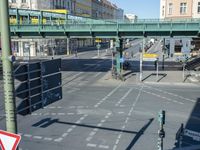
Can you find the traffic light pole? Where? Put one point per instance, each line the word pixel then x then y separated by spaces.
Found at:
pixel 9 97
pixel 161 132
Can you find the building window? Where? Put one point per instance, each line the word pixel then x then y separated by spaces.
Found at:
pixel 23 1
pixel 183 8
pixel 198 9
pixel 13 1
pixel 163 11
pixel 170 9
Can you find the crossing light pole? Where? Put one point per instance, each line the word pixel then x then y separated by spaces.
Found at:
pixel 161 132
pixel 7 59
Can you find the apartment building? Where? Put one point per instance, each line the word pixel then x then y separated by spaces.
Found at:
pixel 32 47
pixel 99 9
pixel 83 8
pixel 176 9
pixel 104 9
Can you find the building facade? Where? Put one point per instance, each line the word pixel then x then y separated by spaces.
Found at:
pixel 196 9
pixel 179 9
pixel 131 17
pixel 83 8
pixel 176 9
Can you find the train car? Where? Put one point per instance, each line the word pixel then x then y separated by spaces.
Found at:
pixel 32 16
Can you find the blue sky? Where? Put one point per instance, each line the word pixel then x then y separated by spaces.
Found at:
pixel 142 8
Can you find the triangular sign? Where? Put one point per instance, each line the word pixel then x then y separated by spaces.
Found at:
pixel 9 141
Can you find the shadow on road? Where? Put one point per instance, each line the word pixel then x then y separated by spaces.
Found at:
pixel 139 134
pixel 86 65
pixel 44 123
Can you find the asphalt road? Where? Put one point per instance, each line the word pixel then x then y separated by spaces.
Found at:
pixel 99 113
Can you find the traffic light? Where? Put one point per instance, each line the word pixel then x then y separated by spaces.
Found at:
pixel 162 117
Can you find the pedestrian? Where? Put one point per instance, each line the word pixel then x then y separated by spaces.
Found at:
pixel 76 53
pixel 132 54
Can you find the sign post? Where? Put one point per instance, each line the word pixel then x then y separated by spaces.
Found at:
pixel 98 47
pixel 161 132
pixel 9 96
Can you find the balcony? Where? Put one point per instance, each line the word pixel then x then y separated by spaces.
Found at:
pixel 13 5
pixel 24 5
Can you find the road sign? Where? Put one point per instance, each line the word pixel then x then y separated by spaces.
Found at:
pixel 98 40
pixel 9 141
pixel 150 57
pixel 193 134
pixel 39 85
pixel 122 60
pixel 98 46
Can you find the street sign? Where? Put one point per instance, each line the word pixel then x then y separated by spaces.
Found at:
pixel 9 141
pixel 98 40
pixel 150 57
pixel 193 134
pixel 122 60
pixel 98 46
pixel 39 85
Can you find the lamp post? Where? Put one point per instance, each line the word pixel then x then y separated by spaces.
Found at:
pixel 7 60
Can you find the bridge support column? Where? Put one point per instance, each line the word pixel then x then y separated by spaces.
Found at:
pixel 186 45
pixel 172 47
pixel 20 48
pixel 118 57
pixel 111 44
pixel 68 42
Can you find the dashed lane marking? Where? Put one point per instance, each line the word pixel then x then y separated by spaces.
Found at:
pixel 91 145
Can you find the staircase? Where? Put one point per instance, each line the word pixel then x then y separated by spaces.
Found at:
pixel 194 64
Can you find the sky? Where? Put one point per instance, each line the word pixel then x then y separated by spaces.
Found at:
pixel 141 8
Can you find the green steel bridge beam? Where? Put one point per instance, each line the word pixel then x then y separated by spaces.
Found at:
pixel 107 30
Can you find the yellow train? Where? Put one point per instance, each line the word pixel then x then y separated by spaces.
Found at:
pixel 24 19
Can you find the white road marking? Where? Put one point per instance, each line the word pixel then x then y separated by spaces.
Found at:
pixel 65 134
pixel 114 147
pixel 58 140
pixel 99 124
pixel 154 94
pixel 125 95
pixel 89 138
pixel 127 119
pixel 107 96
pixel 172 94
pixel 48 139
pixel 27 135
pixel 104 146
pixel 121 112
pixel 102 121
pixel 97 74
pixel 91 145
pixel 92 133
pixel 37 137
pixel 69 130
pixel 70 113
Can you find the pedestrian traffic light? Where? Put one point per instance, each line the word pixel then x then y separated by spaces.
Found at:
pixel 117 43
pixel 162 117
